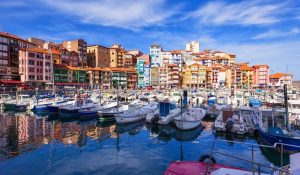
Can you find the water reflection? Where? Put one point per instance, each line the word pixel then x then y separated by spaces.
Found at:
pixel 137 148
pixel 23 132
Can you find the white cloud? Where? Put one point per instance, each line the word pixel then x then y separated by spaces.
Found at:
pixel 243 13
pixel 277 54
pixel 277 34
pixel 129 14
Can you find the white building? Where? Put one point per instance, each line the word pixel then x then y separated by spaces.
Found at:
pixel 193 47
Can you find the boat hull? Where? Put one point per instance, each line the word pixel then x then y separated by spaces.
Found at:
pixel 271 139
pixel 129 119
pixel 187 125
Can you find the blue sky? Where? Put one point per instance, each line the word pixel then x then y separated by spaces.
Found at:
pixel 258 31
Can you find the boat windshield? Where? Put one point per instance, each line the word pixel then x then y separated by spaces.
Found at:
pixel 4 96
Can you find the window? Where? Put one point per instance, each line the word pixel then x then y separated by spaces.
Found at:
pixel 31 55
pixel 31 69
pixel 31 62
pixel 31 77
pixel 4 62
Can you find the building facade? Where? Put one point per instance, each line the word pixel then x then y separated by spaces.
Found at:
pixel 193 47
pixel 9 55
pixel 35 66
pixel 261 75
pixel 280 79
pixel 79 46
pixel 98 56
pixel 156 55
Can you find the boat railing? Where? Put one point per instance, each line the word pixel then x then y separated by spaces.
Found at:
pixel 282 171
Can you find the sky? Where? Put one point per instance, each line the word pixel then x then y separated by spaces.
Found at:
pixel 257 31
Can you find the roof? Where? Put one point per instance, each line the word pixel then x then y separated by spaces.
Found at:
pixel 260 65
pixel 37 50
pixel 60 66
pixel 74 68
pixel 11 82
pixel 195 64
pixel 279 75
pixel 13 36
pixel 172 65
pixel 176 51
pixel 246 68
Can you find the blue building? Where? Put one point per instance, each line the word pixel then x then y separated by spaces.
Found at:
pixel 143 70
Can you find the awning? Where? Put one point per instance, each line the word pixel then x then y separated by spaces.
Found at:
pixel 71 84
pixel 11 82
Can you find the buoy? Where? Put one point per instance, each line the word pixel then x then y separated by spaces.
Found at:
pixel 206 156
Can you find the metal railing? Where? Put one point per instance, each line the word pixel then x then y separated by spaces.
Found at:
pixel 282 170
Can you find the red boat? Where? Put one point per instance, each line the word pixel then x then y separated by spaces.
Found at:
pixel 200 168
pixel 210 167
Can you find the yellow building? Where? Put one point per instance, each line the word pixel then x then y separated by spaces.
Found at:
pixel 247 76
pixel 194 76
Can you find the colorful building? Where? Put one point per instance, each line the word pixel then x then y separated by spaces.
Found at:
pixel 174 76
pixel 69 76
pixel 194 76
pixel 9 55
pixel 35 66
pixel 156 55
pixel 247 76
pixel 154 76
pixel 143 70
pixel 79 46
pixel 261 75
pixel 163 77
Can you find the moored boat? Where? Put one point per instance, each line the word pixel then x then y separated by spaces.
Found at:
pixel 190 118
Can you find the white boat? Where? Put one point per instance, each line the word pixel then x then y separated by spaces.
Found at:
pixel 76 106
pixel 108 105
pixel 4 98
pixel 112 112
pixel 55 106
pixel 165 114
pixel 20 103
pixel 135 113
pixel 190 119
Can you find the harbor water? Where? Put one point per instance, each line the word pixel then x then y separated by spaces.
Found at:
pixel 31 144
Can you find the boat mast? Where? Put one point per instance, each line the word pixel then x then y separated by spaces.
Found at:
pixel 286 106
pixel 286 101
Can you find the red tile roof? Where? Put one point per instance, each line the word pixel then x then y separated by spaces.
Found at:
pixel 279 75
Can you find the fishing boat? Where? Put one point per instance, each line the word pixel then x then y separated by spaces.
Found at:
pixel 271 130
pixel 190 118
pixel 165 114
pixel 278 130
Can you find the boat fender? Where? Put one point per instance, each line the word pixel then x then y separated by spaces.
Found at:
pixel 206 156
